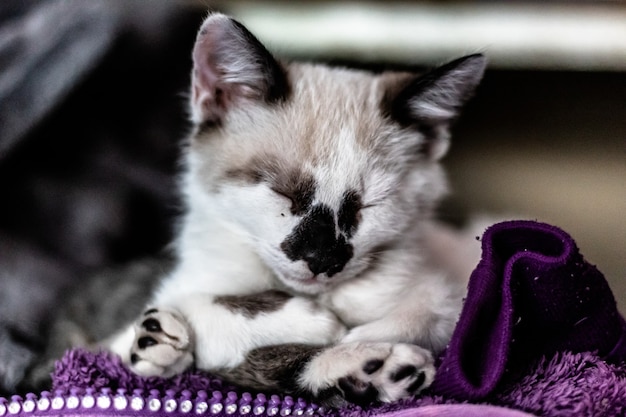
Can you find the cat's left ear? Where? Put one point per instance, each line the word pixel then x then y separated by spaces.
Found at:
pixel 231 68
pixel 431 102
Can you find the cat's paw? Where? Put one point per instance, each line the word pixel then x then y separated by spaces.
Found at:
pixel 369 372
pixel 163 344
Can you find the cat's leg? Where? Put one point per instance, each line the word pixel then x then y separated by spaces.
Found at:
pixel 359 373
pixel 410 322
pixel 219 331
pixel 424 313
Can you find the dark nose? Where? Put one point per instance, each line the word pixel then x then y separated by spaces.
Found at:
pixel 314 241
pixel 329 259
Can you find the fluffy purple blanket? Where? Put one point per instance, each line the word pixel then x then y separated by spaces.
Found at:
pixel 539 334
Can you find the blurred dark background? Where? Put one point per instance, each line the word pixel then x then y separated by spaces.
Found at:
pixel 93 109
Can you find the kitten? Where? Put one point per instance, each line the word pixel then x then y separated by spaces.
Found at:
pixel 310 194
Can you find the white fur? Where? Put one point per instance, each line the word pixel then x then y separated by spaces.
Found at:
pixel 347 359
pixel 331 129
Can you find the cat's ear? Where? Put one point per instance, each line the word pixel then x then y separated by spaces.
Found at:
pixel 231 68
pixel 431 102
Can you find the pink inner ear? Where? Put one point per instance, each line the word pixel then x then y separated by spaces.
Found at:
pixel 222 70
pixel 207 96
pixel 230 67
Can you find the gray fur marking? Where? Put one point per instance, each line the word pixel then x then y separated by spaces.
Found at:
pixel 273 368
pixel 253 304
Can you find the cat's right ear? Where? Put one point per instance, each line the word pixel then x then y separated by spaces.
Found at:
pixel 432 101
pixel 231 68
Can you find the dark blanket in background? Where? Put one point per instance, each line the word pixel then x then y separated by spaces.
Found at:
pixel 91 110
pixel 534 310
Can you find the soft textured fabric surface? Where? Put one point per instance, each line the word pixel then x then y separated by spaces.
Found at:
pixel 567 384
pixel 531 295
pixel 456 410
pixel 539 335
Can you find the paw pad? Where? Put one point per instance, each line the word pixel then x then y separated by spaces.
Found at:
pixel 366 372
pixel 163 344
pixel 404 372
pixel 152 325
pixel 373 365
pixel 357 391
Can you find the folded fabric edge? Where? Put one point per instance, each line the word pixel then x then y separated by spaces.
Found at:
pixel 465 377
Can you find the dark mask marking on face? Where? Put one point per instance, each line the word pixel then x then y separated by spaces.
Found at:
pixel 254 170
pixel 349 214
pixel 314 241
pixel 298 186
pixel 254 304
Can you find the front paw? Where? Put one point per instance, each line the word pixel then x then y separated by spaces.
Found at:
pixel 163 344
pixel 363 373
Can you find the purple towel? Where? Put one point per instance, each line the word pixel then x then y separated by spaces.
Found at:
pixel 98 384
pixel 533 336
pixel 531 295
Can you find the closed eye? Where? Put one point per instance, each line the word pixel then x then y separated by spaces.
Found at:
pixel 349 214
pixel 299 203
pixel 283 195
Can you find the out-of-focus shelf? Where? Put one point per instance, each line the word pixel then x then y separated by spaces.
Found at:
pixel 561 36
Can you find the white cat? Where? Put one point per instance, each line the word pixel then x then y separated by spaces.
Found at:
pixel 303 254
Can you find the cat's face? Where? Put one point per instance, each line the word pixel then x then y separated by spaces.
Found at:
pixel 321 169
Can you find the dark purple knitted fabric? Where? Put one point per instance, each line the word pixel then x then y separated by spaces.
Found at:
pixel 531 295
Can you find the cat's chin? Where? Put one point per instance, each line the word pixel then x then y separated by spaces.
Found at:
pixel 307 286
pixel 311 284
pixel 302 280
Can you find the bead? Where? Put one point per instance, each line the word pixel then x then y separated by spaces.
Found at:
pixel 186 406
pixel 231 408
pixel 73 402
pixel 88 401
pixel 43 404
pixel 57 403
pixel 201 407
pixel 137 403
pixel 103 402
pixel 120 402
pixel 216 408
pixel 154 404
pixel 29 406
pixel 14 407
pixel 245 409
pixel 170 405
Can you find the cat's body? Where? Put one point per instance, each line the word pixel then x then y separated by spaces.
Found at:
pixel 303 255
